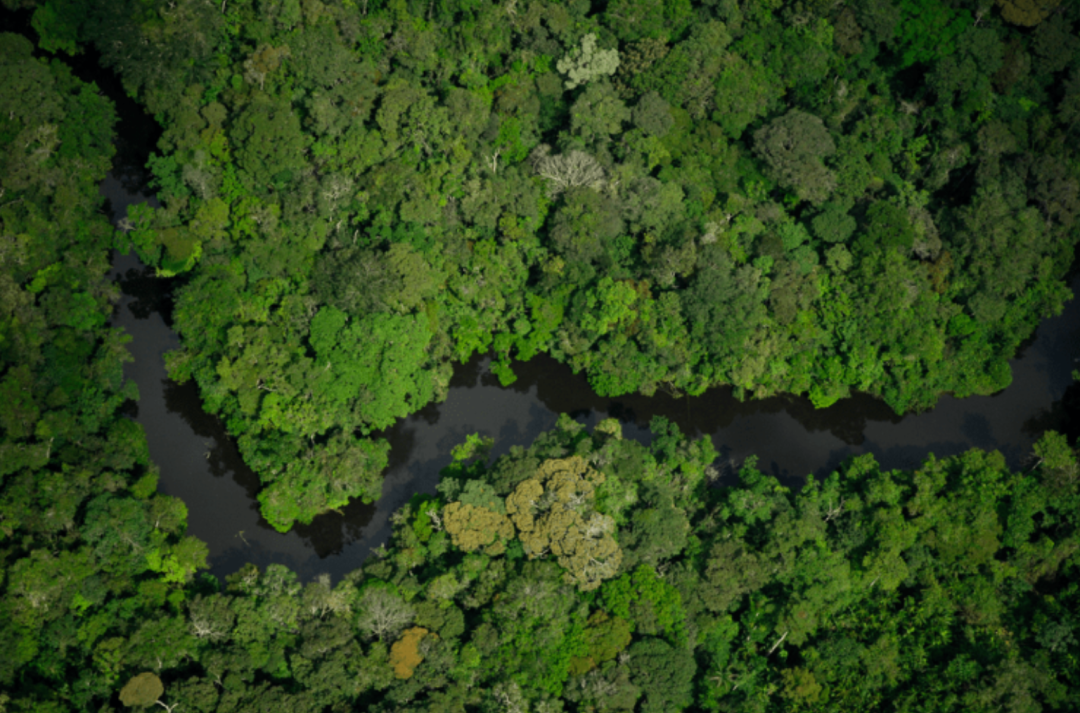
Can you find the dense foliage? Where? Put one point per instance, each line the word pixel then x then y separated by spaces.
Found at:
pixel 785 196
pixel 803 197
pixel 89 552
pixel 593 573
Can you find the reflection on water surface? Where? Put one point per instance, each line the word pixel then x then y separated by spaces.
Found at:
pixel 200 464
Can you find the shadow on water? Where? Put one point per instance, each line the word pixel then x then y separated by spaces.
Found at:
pixel 713 411
pixel 200 463
pixel 149 294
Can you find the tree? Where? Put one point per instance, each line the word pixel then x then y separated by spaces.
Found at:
pixel 833 224
pixel 270 144
pixel 471 527
pixel 585 226
pixel 605 637
pixel 635 19
pixel 725 304
pixel 1026 13
pixel 657 534
pixel 264 60
pixel 382 613
pixel 652 115
pixel 1057 462
pixel 373 366
pixel 888 228
pixel 211 618
pixel 570 170
pixel 586 63
pixel 354 281
pixel 405 654
pixel 664 673
pixel 312 479
pixel 141 691
pixel 553 512
pixel 929 30
pixel 792 147
pixel 745 90
pixel 598 113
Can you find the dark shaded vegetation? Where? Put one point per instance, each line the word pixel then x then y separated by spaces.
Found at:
pixel 785 197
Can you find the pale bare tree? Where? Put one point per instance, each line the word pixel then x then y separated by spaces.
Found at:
pixel 383 613
pixel 320 598
pixel 510 697
pixel 197 175
pixel 569 170
pixel 597 687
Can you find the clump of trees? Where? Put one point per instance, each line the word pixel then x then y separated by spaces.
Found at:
pixel 586 63
pixel 95 566
pixel 793 197
pixel 348 189
pixel 781 196
pixel 952 585
pixel 473 526
pixel 554 512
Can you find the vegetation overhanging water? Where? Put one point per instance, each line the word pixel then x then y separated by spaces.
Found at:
pixel 901 230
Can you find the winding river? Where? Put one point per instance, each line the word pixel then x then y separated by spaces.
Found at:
pixel 199 463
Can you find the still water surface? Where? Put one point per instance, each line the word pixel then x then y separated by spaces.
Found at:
pixel 199 463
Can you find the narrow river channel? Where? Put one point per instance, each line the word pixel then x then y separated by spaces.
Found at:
pixel 199 463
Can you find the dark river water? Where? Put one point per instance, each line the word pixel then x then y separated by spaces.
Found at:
pixel 199 463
